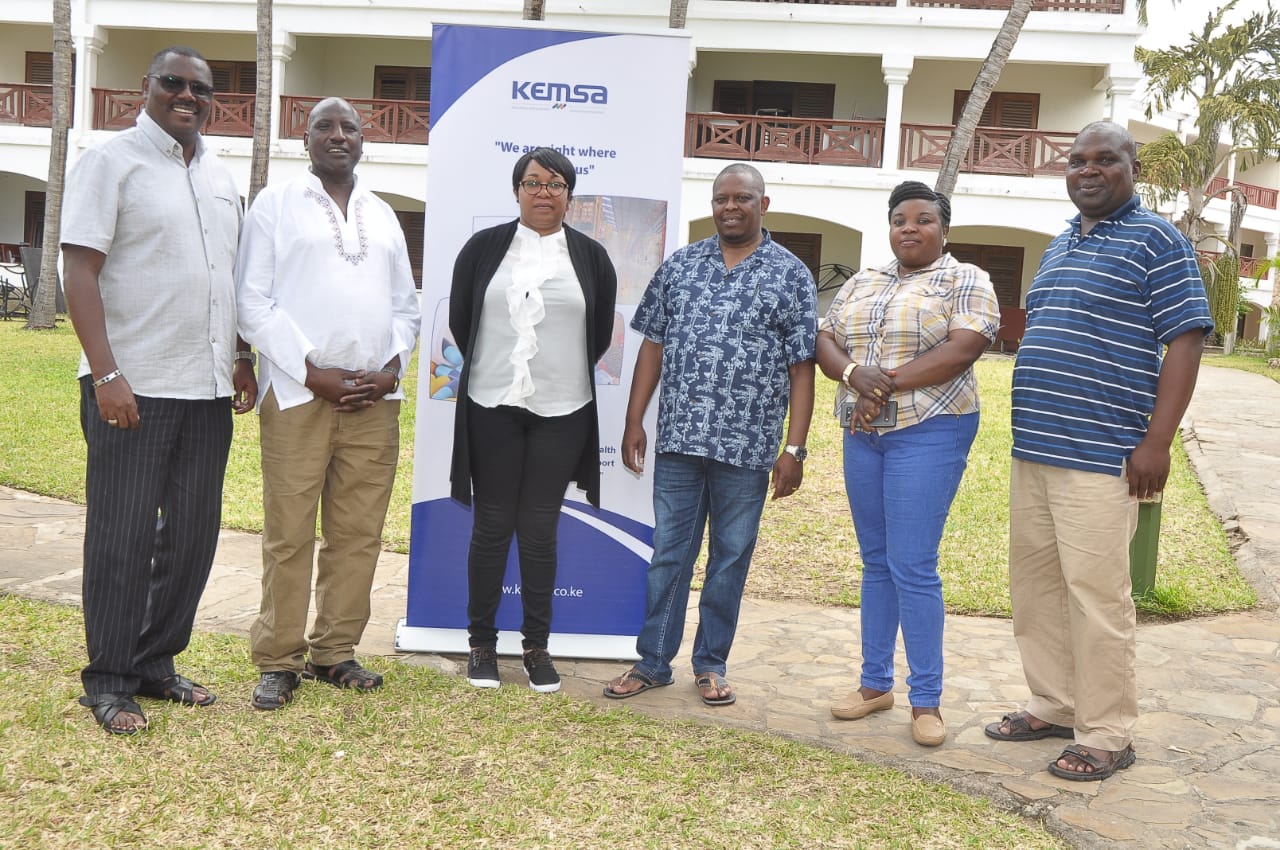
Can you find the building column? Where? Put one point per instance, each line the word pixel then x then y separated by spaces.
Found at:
pixel 282 49
pixel 89 45
pixel 1273 240
pixel 897 70
pixel 1120 84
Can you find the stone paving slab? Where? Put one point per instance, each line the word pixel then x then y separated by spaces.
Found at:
pixel 1208 740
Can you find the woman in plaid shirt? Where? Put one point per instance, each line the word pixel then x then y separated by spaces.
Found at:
pixel 901 341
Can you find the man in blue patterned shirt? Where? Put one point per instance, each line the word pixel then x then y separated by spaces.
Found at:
pixel 1095 409
pixel 729 326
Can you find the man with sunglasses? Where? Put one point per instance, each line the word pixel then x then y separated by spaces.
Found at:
pixel 149 230
pixel 326 294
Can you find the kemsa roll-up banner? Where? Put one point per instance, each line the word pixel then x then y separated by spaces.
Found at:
pixel 614 105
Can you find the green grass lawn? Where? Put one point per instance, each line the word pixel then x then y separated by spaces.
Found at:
pixel 807 549
pixel 427 763
pixel 1245 361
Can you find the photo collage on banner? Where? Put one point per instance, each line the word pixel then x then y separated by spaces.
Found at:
pixel 496 93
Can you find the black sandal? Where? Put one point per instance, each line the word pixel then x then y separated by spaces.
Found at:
pixel 275 690
pixel 1098 768
pixel 344 674
pixel 105 707
pixel 177 689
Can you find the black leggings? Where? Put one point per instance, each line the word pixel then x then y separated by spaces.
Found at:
pixel 521 464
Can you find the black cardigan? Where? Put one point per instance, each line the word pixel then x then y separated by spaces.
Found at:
pixel 475 266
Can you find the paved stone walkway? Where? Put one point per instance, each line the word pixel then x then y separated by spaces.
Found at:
pixel 1208 742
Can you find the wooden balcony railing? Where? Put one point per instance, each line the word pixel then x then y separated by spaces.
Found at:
pixel 1248 265
pixel 232 114
pixel 816 141
pixel 398 121
pixel 1258 196
pixel 1111 7
pixel 1023 153
pixel 27 104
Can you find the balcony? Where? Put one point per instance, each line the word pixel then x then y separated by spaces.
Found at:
pixel 1257 196
pixel 1249 266
pixel 1109 7
pixel 26 104
pixel 397 121
pixel 995 150
pixel 232 114
pixel 813 141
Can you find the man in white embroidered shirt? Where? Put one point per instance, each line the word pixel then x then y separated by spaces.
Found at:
pixel 149 231
pixel 326 295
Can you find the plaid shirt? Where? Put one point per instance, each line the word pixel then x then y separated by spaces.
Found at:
pixel 887 321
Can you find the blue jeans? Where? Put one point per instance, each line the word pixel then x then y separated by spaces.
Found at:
pixel 900 486
pixel 687 492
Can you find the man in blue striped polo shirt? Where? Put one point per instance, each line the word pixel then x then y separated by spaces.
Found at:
pixel 1095 409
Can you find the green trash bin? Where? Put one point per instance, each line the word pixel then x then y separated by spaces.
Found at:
pixel 1144 547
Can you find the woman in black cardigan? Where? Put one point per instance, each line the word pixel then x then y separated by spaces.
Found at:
pixel 531 310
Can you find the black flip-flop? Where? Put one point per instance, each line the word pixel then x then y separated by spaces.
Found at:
pixel 715 680
pixel 646 683
pixel 177 689
pixel 105 707
pixel 1099 769
pixel 1020 729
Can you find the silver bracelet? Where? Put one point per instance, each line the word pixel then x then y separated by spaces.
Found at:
pixel 395 375
pixel 106 379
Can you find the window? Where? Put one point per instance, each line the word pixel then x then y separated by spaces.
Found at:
pixel 1015 110
pixel 230 77
pixel 806 246
pixel 412 223
pixel 399 82
pixel 1002 262
pixel 40 68
pixel 773 97
pixel 33 219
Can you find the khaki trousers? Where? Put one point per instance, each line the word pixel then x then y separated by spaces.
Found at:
pixel 344 465
pixel 1073 615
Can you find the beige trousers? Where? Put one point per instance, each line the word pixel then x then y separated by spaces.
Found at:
pixel 1073 615
pixel 342 464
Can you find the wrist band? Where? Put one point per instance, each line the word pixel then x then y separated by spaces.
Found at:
pixel 848 371
pixel 106 379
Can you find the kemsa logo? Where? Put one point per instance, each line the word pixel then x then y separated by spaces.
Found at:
pixel 559 92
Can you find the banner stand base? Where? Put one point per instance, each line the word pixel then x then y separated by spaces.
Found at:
pixel 454 641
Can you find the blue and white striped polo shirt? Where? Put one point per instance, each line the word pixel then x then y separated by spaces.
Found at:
pixel 1099 312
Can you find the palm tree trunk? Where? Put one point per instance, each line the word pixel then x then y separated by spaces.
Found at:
pixel 262 104
pixel 534 10
pixel 42 314
pixel 679 11
pixel 983 85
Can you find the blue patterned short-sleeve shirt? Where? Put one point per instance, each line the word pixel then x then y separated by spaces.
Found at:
pixel 728 339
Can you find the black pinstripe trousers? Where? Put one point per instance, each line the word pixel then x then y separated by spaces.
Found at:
pixel 154 501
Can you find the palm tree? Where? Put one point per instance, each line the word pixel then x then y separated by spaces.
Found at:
pixel 679 11
pixel 983 85
pixel 534 10
pixel 262 104
pixel 42 310
pixel 1229 72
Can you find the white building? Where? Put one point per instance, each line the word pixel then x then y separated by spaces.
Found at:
pixel 835 101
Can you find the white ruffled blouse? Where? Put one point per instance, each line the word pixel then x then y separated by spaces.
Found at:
pixel 531 346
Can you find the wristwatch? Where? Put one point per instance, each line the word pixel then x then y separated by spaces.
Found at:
pixel 797 452
pixel 247 355
pixel 395 378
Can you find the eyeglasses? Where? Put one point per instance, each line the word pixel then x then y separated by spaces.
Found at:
pixel 555 188
pixel 174 84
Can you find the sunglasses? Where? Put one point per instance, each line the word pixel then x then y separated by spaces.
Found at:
pixel 174 85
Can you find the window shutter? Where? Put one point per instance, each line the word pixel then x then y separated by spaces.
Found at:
pixel 1002 262
pixel 413 224
pixel 732 96
pixel 393 82
pixel 1013 110
pixel 814 100
pixel 806 246
pixel 40 68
